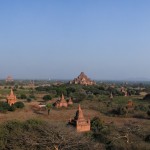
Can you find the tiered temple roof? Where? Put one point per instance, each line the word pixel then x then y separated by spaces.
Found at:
pixel 83 80
pixel 9 79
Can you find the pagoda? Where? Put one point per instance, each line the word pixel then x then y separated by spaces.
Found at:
pixel 80 122
pixel 11 99
pixel 61 103
pixel 82 79
pixel 70 102
pixel 130 104
pixel 9 79
pixel 111 96
pixel 124 91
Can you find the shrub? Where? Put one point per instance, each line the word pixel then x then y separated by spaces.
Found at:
pixel 121 110
pixel 12 108
pixel 147 97
pixel 100 130
pixel 29 99
pixel 4 106
pixel 19 104
pixel 147 138
pixel 148 112
pixel 32 96
pixel 141 107
pixel 139 115
pixel 96 124
pixel 47 97
pixel 23 96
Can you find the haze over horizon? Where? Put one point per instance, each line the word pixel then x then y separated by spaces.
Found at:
pixel 108 40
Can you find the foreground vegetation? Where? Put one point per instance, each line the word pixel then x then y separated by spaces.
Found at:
pixel 36 134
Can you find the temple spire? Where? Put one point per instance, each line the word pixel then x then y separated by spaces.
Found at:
pixel 62 96
pixel 79 114
pixel 11 92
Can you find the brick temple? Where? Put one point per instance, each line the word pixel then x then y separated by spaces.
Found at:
pixel 9 79
pixel 70 102
pixel 11 99
pixel 124 91
pixel 82 79
pixel 61 102
pixel 80 122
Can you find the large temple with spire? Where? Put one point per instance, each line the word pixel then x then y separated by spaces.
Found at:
pixel 82 79
pixel 9 79
pixel 11 98
pixel 80 122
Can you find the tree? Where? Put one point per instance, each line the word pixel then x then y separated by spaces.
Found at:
pixel 48 106
pixel 100 130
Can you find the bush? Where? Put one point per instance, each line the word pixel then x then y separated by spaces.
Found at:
pixel 19 104
pixel 100 130
pixel 47 97
pixel 147 138
pixel 12 108
pixel 147 97
pixel 32 96
pixel 121 110
pixel 96 124
pixel 139 115
pixel 148 112
pixel 29 99
pixel 141 107
pixel 4 106
pixel 23 96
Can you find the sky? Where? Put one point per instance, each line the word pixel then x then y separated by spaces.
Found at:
pixel 57 39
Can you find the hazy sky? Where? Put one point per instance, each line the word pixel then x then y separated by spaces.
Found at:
pixel 107 39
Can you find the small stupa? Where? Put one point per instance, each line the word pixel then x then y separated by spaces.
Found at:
pixel 111 96
pixel 130 104
pixel 70 102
